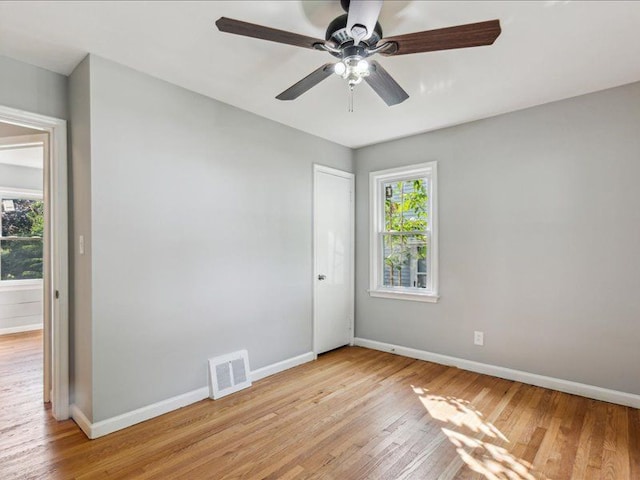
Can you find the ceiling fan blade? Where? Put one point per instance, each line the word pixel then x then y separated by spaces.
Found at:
pixel 460 36
pixel 246 29
pixel 311 80
pixel 384 85
pixel 364 13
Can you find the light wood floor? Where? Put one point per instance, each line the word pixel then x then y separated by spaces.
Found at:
pixel 353 414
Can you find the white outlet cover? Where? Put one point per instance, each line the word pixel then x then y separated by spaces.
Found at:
pixel 478 338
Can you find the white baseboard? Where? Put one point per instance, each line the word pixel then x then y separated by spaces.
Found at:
pixel 575 388
pixel 281 366
pixel 113 424
pixel 21 328
pixel 81 420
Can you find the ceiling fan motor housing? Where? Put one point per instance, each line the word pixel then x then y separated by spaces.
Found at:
pixel 338 34
pixel 351 51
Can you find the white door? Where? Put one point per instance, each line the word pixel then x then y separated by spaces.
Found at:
pixel 333 258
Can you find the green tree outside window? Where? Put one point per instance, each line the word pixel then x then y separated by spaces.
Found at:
pixel 21 244
pixel 405 242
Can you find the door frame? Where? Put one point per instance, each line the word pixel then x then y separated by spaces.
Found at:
pixel 317 168
pixel 56 255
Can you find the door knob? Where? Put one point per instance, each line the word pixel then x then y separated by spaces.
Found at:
pixel 322 277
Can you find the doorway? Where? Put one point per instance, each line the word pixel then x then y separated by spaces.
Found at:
pixel 333 252
pixel 49 231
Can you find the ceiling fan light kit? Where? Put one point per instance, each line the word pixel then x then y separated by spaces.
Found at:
pixel 356 36
pixel 352 69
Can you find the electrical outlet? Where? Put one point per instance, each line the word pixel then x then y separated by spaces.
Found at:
pixel 478 338
pixel 81 244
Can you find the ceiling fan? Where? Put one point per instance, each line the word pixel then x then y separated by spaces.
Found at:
pixel 357 35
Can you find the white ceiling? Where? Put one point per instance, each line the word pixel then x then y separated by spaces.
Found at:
pixel 548 50
pixel 10 130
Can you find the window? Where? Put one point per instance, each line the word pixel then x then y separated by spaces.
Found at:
pixel 404 242
pixel 22 227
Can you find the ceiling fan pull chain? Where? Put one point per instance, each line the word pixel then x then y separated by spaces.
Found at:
pixel 350 109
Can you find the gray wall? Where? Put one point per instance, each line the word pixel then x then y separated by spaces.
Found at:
pixel 36 90
pixel 80 307
pixel 15 176
pixel 33 89
pixel 21 307
pixel 201 236
pixel 539 234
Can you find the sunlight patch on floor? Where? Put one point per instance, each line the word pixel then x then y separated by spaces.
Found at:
pixel 460 413
pixel 488 459
pixel 478 443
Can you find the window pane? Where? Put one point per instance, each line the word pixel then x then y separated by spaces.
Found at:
pixel 406 205
pixel 404 260
pixel 20 259
pixel 22 218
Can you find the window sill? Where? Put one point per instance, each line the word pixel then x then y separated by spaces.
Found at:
pixel 398 295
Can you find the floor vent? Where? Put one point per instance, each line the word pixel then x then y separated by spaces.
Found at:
pixel 229 373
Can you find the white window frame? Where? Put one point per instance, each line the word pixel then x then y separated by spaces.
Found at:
pixel 376 202
pixel 20 194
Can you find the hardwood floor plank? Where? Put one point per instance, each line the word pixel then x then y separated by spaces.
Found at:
pixel 353 414
pixel 566 444
pixel 597 439
pixel 634 442
pixel 581 461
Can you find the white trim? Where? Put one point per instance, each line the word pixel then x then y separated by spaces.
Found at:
pixel 332 171
pixel 567 386
pixel 317 168
pixel 56 311
pixel 414 296
pixel 278 367
pixel 20 329
pixel 376 220
pixel 81 420
pixel 110 425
